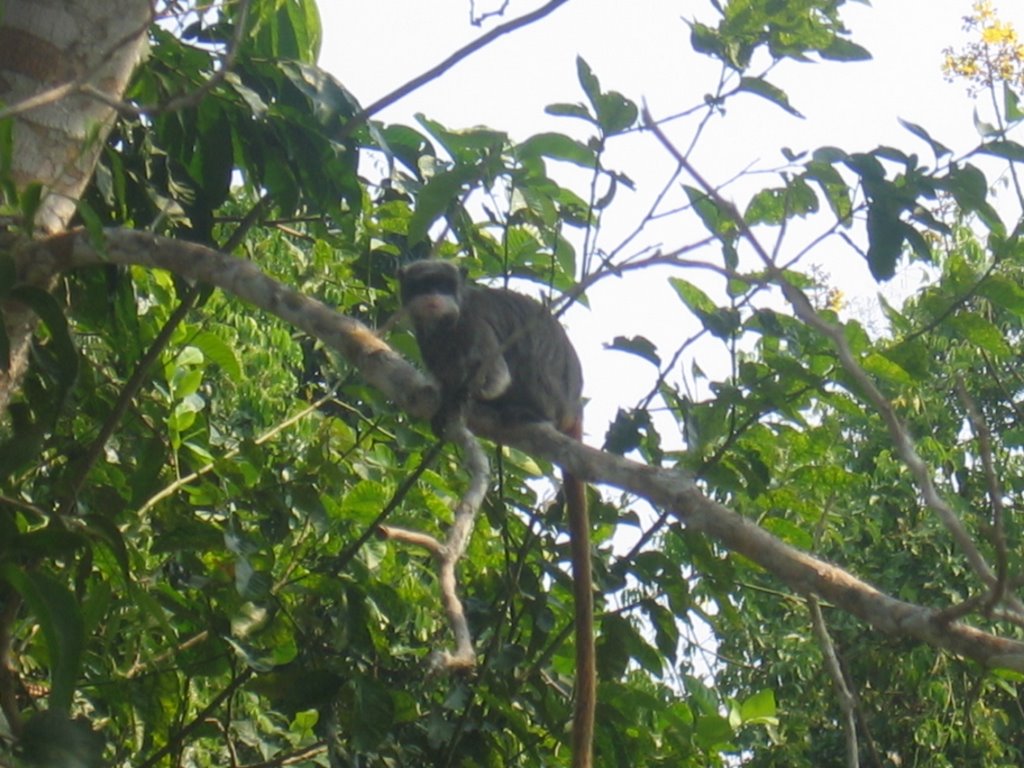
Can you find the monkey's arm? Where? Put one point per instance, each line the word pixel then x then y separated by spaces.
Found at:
pixel 479 374
pixel 492 378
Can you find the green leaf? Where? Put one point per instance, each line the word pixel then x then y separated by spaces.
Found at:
pixel 761 87
pixel 774 206
pixel 885 241
pixel 717 221
pixel 51 738
pixel 884 368
pixel 570 110
pixel 1009 150
pixel 705 39
pixel 218 351
pixel 917 242
pixel 984 129
pixel 259 659
pixel 374 713
pixel 466 147
pixel 8 274
pixel 588 81
pixel 104 529
pixel 760 708
pixel 713 732
pixel 559 147
pixel 640 346
pixel 6 154
pixel 305 21
pixel 49 311
pixel 5 344
pixel 289 30
pixel 789 532
pixel 628 431
pixel 364 501
pixel 693 297
pixel 836 190
pixel 29 200
pixel 844 50
pixel 666 629
pixel 1004 293
pixel 981 333
pixel 435 198
pixel 614 112
pixel 59 617
pixel 940 149
pixel 93 225
pixel 1011 104
pixel 723 322
pixel 969 188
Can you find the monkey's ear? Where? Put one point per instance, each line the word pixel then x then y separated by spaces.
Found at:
pixel 464 271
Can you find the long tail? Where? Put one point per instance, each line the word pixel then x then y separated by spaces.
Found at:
pixel 586 669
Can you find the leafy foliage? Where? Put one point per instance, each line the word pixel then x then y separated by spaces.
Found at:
pixel 187 487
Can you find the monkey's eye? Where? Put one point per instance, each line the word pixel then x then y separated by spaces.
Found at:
pixel 434 284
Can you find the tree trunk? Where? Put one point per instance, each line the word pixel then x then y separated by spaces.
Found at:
pixel 57 59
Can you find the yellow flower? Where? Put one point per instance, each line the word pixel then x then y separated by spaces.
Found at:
pixel 983 10
pixel 999 33
pixel 834 299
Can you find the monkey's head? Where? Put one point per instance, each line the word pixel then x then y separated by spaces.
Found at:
pixel 431 293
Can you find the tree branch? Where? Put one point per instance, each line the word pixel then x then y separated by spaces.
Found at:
pixel 836 335
pixel 448 553
pixel 439 69
pixel 399 380
pixel 379 364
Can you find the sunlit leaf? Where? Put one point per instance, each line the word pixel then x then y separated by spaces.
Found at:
pixel 761 87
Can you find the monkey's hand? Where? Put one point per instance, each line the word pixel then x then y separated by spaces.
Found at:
pixel 451 411
pixel 438 422
pixel 492 379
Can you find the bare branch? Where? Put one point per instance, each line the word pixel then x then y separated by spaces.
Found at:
pixel 436 71
pixel 448 554
pixel 378 363
pixel 995 490
pixel 800 571
pixel 666 488
pixel 835 334
pixel 847 700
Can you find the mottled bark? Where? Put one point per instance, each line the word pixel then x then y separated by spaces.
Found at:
pixel 61 63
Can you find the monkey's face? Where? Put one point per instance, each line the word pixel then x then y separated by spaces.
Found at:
pixel 430 311
pixel 431 294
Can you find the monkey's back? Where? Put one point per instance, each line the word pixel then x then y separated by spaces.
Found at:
pixel 547 379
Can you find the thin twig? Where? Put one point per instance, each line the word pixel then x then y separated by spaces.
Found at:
pixel 181 482
pixel 995 491
pixel 436 71
pixel 177 739
pixel 847 700
pixel 803 309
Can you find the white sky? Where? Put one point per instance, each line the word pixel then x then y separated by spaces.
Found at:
pixel 641 48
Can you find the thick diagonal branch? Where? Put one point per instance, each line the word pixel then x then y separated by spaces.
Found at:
pixel 666 488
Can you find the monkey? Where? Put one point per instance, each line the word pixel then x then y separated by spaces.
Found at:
pixel 502 355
